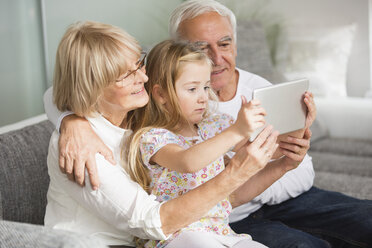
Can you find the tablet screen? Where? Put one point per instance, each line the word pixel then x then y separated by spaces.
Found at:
pixel 284 105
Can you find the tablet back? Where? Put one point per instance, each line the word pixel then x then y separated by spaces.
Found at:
pixel 284 105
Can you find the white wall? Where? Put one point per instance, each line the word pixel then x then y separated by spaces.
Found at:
pixel 22 72
pixel 22 80
pixel 146 20
pixel 22 68
pixel 319 13
pixel 333 13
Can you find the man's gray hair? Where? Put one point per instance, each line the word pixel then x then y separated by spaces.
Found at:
pixel 193 8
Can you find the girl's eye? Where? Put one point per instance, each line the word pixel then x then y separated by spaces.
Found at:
pixel 192 89
pixel 206 88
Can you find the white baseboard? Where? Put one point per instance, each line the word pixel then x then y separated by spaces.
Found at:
pixel 23 123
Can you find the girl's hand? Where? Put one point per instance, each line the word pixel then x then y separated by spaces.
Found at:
pixel 311 109
pixel 250 117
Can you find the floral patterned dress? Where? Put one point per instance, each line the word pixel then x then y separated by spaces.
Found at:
pixel 167 184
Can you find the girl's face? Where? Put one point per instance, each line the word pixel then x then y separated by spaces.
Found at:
pixel 192 88
pixel 128 92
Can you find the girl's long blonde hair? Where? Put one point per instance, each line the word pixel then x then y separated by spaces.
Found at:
pixel 164 66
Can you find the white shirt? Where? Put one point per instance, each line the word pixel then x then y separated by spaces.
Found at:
pixel 293 183
pixel 115 212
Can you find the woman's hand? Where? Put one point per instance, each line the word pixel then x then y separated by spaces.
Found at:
pixel 254 156
pixel 197 202
pixel 250 117
pixel 78 144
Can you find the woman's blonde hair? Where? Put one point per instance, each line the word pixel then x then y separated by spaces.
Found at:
pixel 90 56
pixel 164 66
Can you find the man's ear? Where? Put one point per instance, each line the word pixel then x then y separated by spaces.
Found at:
pixel 159 94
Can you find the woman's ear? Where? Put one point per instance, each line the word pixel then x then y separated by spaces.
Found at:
pixel 158 94
pixel 119 84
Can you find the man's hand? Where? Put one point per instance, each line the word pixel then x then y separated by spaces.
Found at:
pixel 311 109
pixel 78 144
pixel 310 117
pixel 295 149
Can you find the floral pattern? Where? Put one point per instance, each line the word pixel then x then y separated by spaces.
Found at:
pixel 167 184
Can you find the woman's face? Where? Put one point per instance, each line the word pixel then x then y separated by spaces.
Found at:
pixel 128 92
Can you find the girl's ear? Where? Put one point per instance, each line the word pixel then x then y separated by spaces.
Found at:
pixel 159 94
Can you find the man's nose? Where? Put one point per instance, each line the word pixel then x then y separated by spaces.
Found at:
pixel 215 55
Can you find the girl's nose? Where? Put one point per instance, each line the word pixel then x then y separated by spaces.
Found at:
pixel 203 97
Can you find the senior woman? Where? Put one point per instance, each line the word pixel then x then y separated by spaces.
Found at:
pixel 98 76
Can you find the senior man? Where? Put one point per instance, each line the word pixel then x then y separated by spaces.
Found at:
pixel 290 213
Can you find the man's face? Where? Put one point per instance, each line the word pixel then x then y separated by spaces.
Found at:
pixel 213 33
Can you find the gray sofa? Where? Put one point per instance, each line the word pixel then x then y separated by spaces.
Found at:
pixel 342 163
pixel 24 182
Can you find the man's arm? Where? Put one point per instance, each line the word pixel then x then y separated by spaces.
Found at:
pixel 78 143
pixel 294 149
pixel 54 115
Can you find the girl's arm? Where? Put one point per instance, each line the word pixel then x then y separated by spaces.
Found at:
pixel 195 158
pixel 175 157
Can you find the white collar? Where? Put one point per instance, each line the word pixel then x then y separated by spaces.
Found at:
pixel 110 134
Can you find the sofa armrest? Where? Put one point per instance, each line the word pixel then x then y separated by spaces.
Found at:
pixel 15 234
pixel 346 117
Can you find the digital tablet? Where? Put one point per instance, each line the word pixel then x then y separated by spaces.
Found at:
pixel 284 105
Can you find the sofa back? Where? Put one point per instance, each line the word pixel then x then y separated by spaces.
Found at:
pixel 24 176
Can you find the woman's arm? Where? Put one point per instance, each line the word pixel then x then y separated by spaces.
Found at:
pixel 119 201
pixel 198 156
pixel 194 204
pixel 295 154
pixel 127 207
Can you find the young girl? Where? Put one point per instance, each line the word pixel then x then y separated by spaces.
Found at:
pixel 178 144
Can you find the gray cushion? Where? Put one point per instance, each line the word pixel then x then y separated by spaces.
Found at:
pixel 24 176
pixel 319 130
pixel 1 208
pixel 13 234
pixel 352 185
pixel 253 52
pixel 342 163
pixel 345 146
